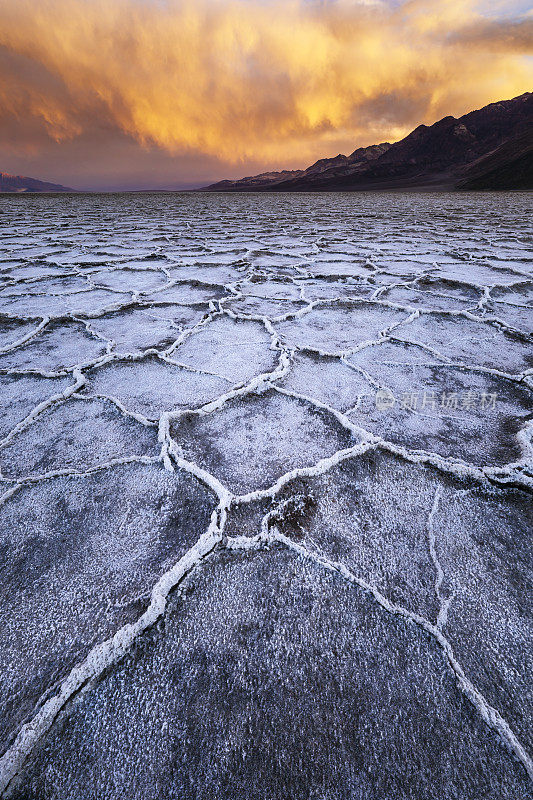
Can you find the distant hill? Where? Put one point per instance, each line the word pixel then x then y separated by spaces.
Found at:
pixel 19 183
pixel 491 148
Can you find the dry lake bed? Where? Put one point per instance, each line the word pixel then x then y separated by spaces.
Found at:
pixel 266 475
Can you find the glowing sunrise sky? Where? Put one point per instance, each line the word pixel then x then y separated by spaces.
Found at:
pixel 171 93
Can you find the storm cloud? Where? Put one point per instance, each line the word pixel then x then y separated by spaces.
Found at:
pixel 183 90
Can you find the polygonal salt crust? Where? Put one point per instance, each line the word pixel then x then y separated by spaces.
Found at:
pixel 277 271
pixel 12 331
pixel 335 244
pixel 27 250
pixel 76 434
pixel 520 293
pixel 339 327
pixel 60 346
pixel 182 316
pixel 79 258
pixel 325 264
pixel 130 280
pixel 263 307
pixel 522 267
pixel 61 285
pixel 280 263
pixel 271 289
pixel 519 318
pixel 457 289
pixel 151 262
pixel 95 301
pixel 64 252
pixel 386 279
pixel 477 274
pixel 36 270
pixel 8 259
pixel 53 285
pixel 218 274
pixel 303 698
pixel 134 330
pixel 439 432
pixel 201 253
pixel 392 352
pixel 327 380
pixel 252 441
pixel 232 349
pixel 187 294
pixel 428 300
pixel 483 542
pixel 371 514
pixel 80 557
pixel 324 290
pixel 467 341
pixel 6 277
pixel 313 690
pixel 398 267
pixel 376 515
pixel 448 410
pixel 20 394
pixel 32 305
pixel 151 386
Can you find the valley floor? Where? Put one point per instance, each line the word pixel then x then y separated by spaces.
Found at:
pixel 266 473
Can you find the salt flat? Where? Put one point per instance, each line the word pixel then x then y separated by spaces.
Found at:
pixel 266 467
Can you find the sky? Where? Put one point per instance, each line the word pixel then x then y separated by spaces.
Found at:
pixel 133 94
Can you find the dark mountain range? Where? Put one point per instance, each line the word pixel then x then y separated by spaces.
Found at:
pixel 491 148
pixel 16 184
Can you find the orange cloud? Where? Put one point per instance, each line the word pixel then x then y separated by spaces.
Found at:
pixel 251 79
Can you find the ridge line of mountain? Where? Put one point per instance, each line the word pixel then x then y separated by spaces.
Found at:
pixel 489 148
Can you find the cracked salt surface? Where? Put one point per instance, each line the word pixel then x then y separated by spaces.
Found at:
pixel 252 441
pixel 259 699
pixel 81 565
pixel 60 346
pixel 469 341
pixel 151 385
pixel 469 424
pixel 76 434
pixel 383 518
pixel 21 394
pixel 336 327
pixel 190 402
